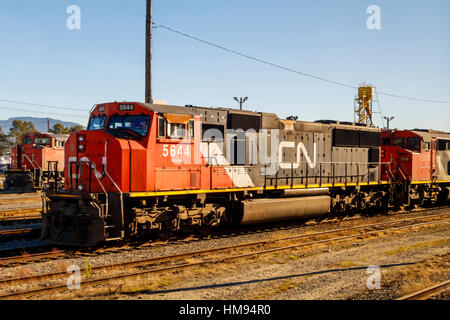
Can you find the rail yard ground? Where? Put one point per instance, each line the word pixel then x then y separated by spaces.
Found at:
pixel 410 258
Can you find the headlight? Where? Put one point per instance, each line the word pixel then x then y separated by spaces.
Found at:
pixel 80 187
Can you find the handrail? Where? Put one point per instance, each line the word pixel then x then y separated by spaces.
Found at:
pixel 29 160
pixel 121 197
pixel 92 165
pixel 112 180
pixel 405 176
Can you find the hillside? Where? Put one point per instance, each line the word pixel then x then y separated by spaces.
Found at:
pixel 39 123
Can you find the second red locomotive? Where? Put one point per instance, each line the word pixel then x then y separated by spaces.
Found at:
pixel 38 158
pixel 419 161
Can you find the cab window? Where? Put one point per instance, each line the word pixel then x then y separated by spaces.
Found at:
pixel 59 143
pixel 161 127
pixel 26 140
pixel 97 123
pixel 413 144
pixel 176 130
pixel 136 124
pixel 191 129
pixel 42 141
pixel 399 142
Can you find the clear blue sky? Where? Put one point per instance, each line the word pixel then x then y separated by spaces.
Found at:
pixel 41 61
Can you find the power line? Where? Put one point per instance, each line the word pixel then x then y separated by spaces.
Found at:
pixel 42 112
pixel 41 105
pixel 289 69
pixel 253 58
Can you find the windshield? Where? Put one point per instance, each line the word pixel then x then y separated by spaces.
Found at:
pixel 97 123
pixel 136 124
pixel 26 140
pixel 413 144
pixel 42 141
pixel 400 142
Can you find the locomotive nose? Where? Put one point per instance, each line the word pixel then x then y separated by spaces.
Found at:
pixel 86 159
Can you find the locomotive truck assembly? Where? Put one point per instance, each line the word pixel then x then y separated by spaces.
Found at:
pixel 39 158
pixel 144 168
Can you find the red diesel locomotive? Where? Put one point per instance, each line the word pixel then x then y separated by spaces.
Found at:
pixel 38 158
pixel 151 168
pixel 419 160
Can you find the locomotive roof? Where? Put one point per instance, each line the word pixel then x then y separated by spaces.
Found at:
pixel 428 134
pixel 198 110
pixel 57 136
pixel 192 110
pixel 163 108
pixel 52 135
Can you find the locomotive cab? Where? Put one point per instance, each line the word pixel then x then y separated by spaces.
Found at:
pixel 124 142
pixel 411 155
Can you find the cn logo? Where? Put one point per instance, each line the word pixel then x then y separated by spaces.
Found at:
pixel 301 150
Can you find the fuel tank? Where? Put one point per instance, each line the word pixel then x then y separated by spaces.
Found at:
pixel 264 210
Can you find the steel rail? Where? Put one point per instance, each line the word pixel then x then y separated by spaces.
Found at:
pixel 429 292
pixel 31 256
pixel 152 261
pixel 289 226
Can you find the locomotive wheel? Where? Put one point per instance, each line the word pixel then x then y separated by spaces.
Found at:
pixel 165 233
pixel 203 230
pixel 362 205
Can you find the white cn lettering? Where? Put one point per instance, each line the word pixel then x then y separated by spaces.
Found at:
pixel 301 150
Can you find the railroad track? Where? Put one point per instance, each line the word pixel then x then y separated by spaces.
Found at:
pixel 32 257
pixel 219 255
pixel 225 233
pixel 429 292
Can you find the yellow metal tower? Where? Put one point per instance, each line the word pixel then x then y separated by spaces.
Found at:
pixel 363 105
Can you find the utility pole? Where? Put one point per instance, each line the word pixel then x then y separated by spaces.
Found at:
pixel 240 101
pixel 388 120
pixel 148 52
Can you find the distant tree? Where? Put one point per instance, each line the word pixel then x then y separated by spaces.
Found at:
pixel 61 129
pixel 75 128
pixel 5 143
pixel 19 128
pixel 58 128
